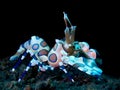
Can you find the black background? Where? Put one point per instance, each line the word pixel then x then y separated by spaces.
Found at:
pixel 96 24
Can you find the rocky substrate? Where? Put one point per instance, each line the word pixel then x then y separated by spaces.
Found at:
pixel 51 80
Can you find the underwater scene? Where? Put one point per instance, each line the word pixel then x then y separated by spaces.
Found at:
pixel 60 45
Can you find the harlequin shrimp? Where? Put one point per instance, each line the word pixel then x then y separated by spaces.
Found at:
pixel 65 52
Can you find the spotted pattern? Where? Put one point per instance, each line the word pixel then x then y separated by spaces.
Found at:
pixel 43 44
pixel 53 58
pixel 42 52
pixel 35 46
